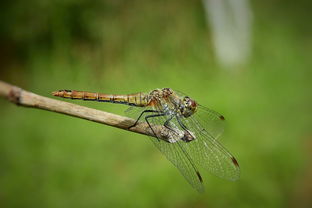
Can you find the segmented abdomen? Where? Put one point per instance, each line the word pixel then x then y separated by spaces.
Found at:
pixel 137 99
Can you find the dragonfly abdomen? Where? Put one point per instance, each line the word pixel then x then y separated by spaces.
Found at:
pixel 137 99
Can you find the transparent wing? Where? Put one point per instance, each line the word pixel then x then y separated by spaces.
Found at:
pixel 207 125
pixel 174 152
pixel 210 120
pixel 134 111
pixel 207 152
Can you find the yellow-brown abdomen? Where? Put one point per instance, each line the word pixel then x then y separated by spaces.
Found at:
pixel 137 99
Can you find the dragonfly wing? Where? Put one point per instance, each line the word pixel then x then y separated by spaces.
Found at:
pixel 210 120
pixel 207 152
pixel 176 153
pixel 134 112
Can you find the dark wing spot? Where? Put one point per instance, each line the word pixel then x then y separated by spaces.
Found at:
pixel 222 117
pixel 66 90
pixel 234 161
pixel 199 176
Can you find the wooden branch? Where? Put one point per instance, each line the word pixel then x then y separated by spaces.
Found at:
pixel 27 99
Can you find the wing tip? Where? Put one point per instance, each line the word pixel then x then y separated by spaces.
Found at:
pixel 235 162
pixel 199 177
pixel 200 188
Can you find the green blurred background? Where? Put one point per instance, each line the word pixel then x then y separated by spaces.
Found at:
pixel 52 160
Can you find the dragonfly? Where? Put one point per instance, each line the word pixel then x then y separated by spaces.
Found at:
pixel 193 130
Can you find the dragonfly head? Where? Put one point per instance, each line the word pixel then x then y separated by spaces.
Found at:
pixel 188 107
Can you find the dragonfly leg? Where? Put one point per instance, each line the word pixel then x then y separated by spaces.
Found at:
pixel 152 116
pixel 167 125
pixel 181 124
pixel 188 137
pixel 145 111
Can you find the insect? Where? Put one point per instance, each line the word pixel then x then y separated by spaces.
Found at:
pixel 192 133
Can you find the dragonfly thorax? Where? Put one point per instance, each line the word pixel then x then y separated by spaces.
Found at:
pixel 185 105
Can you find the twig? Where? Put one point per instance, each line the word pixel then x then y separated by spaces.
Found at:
pixel 27 99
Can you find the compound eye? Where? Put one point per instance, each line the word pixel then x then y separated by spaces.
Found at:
pixel 193 104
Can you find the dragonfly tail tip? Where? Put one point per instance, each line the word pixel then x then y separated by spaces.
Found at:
pixel 55 93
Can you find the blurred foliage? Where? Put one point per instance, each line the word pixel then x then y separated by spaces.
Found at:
pixel 51 160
